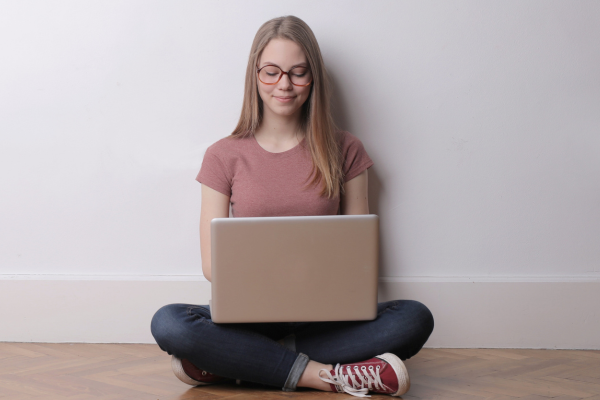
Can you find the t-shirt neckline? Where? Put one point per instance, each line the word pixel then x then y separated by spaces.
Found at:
pixel 286 153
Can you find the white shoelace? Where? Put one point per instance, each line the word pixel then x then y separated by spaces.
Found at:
pixel 350 385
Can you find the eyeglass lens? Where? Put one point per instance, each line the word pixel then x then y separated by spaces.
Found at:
pixel 298 75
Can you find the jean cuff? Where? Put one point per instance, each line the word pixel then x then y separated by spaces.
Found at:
pixel 295 373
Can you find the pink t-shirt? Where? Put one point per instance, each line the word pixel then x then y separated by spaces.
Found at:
pixel 265 184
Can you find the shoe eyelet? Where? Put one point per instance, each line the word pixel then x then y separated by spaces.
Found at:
pixel 377 368
pixel 363 368
pixel 356 368
pixel 370 368
pixel 203 372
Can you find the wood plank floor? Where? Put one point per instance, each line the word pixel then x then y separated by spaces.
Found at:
pixel 128 371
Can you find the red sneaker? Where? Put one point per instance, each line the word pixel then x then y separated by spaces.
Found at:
pixel 384 374
pixel 192 375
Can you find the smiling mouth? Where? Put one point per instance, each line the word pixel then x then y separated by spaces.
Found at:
pixel 284 99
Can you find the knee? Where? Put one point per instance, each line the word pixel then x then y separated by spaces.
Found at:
pixel 415 324
pixel 422 317
pixel 414 320
pixel 163 325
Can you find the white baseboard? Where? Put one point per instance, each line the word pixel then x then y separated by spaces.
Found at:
pixel 89 311
pixel 546 313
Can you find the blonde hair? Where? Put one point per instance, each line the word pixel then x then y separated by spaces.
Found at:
pixel 316 119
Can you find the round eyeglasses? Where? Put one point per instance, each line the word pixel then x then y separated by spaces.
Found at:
pixel 271 74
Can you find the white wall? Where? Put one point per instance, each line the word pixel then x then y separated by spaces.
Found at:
pixel 482 119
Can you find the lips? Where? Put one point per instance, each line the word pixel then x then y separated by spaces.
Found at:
pixel 284 99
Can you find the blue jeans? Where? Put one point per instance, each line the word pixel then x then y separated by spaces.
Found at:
pixel 251 351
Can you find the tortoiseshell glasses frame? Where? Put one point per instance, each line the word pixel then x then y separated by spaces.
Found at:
pixel 281 73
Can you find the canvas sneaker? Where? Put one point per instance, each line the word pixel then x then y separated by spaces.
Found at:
pixel 192 375
pixel 383 374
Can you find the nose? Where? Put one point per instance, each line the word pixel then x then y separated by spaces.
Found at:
pixel 285 83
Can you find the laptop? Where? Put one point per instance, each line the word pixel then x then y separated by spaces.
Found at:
pixel 294 269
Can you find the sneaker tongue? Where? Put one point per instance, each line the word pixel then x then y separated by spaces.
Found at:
pixel 386 374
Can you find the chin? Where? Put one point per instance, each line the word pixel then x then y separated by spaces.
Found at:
pixel 285 111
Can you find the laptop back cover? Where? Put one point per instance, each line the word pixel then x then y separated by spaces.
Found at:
pixel 294 269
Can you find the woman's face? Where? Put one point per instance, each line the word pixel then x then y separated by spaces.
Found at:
pixel 283 98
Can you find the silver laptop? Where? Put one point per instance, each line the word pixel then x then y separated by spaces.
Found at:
pixel 294 269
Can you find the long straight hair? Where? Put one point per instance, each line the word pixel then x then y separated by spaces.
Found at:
pixel 316 119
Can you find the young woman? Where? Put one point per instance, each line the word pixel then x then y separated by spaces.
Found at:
pixel 285 157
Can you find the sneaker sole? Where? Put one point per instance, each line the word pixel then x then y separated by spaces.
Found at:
pixel 180 373
pixel 401 372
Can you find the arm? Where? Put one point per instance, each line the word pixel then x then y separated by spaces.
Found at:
pixel 355 200
pixel 214 205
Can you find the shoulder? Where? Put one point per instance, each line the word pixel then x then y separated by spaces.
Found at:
pixel 219 161
pixel 228 147
pixel 349 142
pixel 355 157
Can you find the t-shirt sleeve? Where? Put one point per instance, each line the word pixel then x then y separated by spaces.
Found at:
pixel 356 158
pixel 214 174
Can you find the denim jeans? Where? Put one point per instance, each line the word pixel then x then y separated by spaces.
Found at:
pixel 251 351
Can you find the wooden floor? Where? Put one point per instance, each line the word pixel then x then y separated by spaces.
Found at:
pixel 112 371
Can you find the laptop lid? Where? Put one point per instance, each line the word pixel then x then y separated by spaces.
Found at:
pixel 294 269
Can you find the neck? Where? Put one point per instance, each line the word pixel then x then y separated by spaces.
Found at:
pixel 279 128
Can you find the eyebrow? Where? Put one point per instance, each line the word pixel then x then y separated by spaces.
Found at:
pixel 302 64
